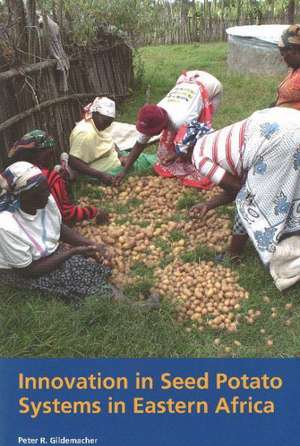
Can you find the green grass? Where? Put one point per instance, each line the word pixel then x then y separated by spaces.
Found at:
pixel 198 254
pixel 162 244
pixel 189 199
pixel 176 235
pixel 163 64
pixel 32 325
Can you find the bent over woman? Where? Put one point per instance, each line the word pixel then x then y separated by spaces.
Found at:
pixel 196 96
pixel 257 163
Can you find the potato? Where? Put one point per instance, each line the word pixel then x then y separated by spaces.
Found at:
pixel 201 291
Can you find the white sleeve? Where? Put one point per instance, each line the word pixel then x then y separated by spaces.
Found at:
pixel 206 166
pixel 141 138
pixel 15 252
pixel 211 170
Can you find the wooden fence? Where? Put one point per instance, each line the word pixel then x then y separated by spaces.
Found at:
pixel 31 96
pixel 179 30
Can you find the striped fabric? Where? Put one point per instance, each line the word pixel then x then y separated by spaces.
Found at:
pixel 220 152
pixel 70 213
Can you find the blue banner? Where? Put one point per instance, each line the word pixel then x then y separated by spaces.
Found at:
pixel 179 402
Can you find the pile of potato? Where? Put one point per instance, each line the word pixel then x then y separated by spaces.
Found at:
pixel 130 244
pixel 203 292
pixel 159 196
pixel 212 231
pixel 158 204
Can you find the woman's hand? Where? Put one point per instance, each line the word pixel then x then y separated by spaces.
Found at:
pixel 102 250
pixel 123 160
pixel 98 252
pixel 84 250
pixel 106 179
pixel 119 178
pixel 103 254
pixel 199 210
pixel 102 217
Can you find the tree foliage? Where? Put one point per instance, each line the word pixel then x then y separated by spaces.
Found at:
pixel 86 22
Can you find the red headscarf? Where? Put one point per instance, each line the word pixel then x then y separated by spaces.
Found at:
pixel 151 120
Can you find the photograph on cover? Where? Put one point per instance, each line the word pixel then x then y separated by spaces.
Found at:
pixel 150 180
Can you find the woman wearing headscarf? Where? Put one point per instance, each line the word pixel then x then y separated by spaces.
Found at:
pixel 37 148
pixel 196 96
pixel 288 94
pixel 92 146
pixel 30 233
pixel 257 163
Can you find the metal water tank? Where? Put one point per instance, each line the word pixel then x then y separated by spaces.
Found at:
pixel 253 49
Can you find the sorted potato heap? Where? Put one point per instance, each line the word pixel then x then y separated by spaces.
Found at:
pixel 212 231
pixel 130 244
pixel 154 201
pixel 204 293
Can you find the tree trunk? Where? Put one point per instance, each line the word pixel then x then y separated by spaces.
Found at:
pixel 291 11
pixel 32 31
pixel 238 11
pixel 17 18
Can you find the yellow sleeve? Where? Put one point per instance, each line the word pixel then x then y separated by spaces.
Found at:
pixel 89 147
pixel 81 146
